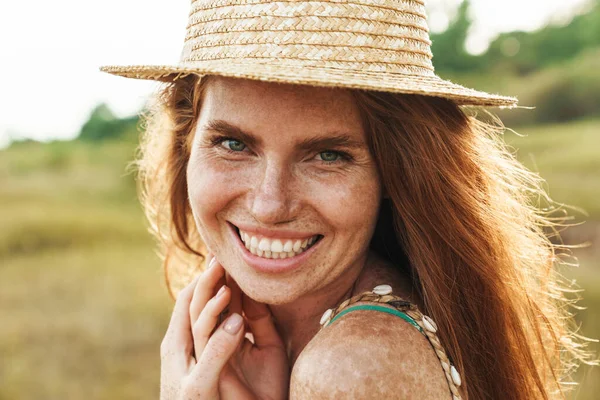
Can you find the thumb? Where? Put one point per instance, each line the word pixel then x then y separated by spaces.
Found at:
pixel 261 324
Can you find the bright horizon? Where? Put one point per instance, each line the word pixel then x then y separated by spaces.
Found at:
pixel 50 72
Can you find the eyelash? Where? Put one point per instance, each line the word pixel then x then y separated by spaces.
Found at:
pixel 219 142
pixel 344 157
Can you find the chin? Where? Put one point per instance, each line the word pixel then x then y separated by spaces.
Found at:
pixel 274 300
pixel 271 292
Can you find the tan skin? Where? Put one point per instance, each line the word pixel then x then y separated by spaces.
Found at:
pixel 270 178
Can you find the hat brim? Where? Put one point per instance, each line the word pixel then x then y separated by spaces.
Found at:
pixel 431 85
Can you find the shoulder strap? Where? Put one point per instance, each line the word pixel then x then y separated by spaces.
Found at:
pixel 377 307
pixel 383 294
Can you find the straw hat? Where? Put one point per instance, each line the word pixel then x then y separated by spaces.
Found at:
pixel 378 45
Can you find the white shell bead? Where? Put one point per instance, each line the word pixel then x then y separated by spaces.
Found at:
pixel 429 324
pixel 455 397
pixel 326 316
pixel 382 290
pixel 455 376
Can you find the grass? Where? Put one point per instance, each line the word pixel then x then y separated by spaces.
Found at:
pixel 82 298
pixel 81 292
pixel 568 157
pixel 586 276
pixel 82 322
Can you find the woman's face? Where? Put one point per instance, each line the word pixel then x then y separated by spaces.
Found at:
pixel 290 167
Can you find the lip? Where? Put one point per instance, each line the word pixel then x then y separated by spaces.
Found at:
pixel 271 233
pixel 270 265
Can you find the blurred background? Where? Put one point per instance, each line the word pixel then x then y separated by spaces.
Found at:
pixel 83 305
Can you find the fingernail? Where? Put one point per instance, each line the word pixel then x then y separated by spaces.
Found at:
pixel 233 324
pixel 212 262
pixel 221 291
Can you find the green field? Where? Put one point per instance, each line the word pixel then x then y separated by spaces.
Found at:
pixel 82 298
pixel 568 157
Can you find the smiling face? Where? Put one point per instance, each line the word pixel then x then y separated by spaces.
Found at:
pixel 290 167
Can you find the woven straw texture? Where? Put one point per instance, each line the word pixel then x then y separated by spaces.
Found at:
pixel 412 311
pixel 378 45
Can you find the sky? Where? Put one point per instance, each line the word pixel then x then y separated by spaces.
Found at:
pixel 51 51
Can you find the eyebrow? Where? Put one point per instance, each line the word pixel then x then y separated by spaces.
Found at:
pixel 334 139
pixel 235 132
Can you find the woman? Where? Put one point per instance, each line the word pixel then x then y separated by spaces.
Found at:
pixel 337 217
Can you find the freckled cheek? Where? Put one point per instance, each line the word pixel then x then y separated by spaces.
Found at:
pixel 350 206
pixel 211 189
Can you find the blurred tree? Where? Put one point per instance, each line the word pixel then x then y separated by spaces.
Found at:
pixel 525 52
pixel 449 46
pixel 515 52
pixel 102 124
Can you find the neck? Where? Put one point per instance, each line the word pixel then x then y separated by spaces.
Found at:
pixel 298 321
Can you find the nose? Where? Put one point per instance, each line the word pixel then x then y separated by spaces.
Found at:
pixel 273 198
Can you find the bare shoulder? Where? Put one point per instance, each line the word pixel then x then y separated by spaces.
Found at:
pixel 369 354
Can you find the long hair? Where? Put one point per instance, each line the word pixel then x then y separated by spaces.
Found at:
pixel 470 223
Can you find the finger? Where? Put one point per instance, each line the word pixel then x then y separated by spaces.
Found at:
pixel 235 306
pixel 261 323
pixel 221 281
pixel 207 260
pixel 219 349
pixel 205 289
pixel 203 327
pixel 178 338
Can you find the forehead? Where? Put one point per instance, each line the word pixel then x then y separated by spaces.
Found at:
pixel 267 105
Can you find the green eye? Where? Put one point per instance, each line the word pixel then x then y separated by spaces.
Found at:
pixel 329 156
pixel 234 145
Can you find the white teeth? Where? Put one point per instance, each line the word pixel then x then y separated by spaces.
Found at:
pixel 264 244
pixel 275 248
pixel 289 245
pixel 297 245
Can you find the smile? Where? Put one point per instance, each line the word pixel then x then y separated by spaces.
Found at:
pixel 267 247
pixel 271 252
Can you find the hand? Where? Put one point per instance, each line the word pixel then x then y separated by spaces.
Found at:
pixel 261 364
pixel 197 363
